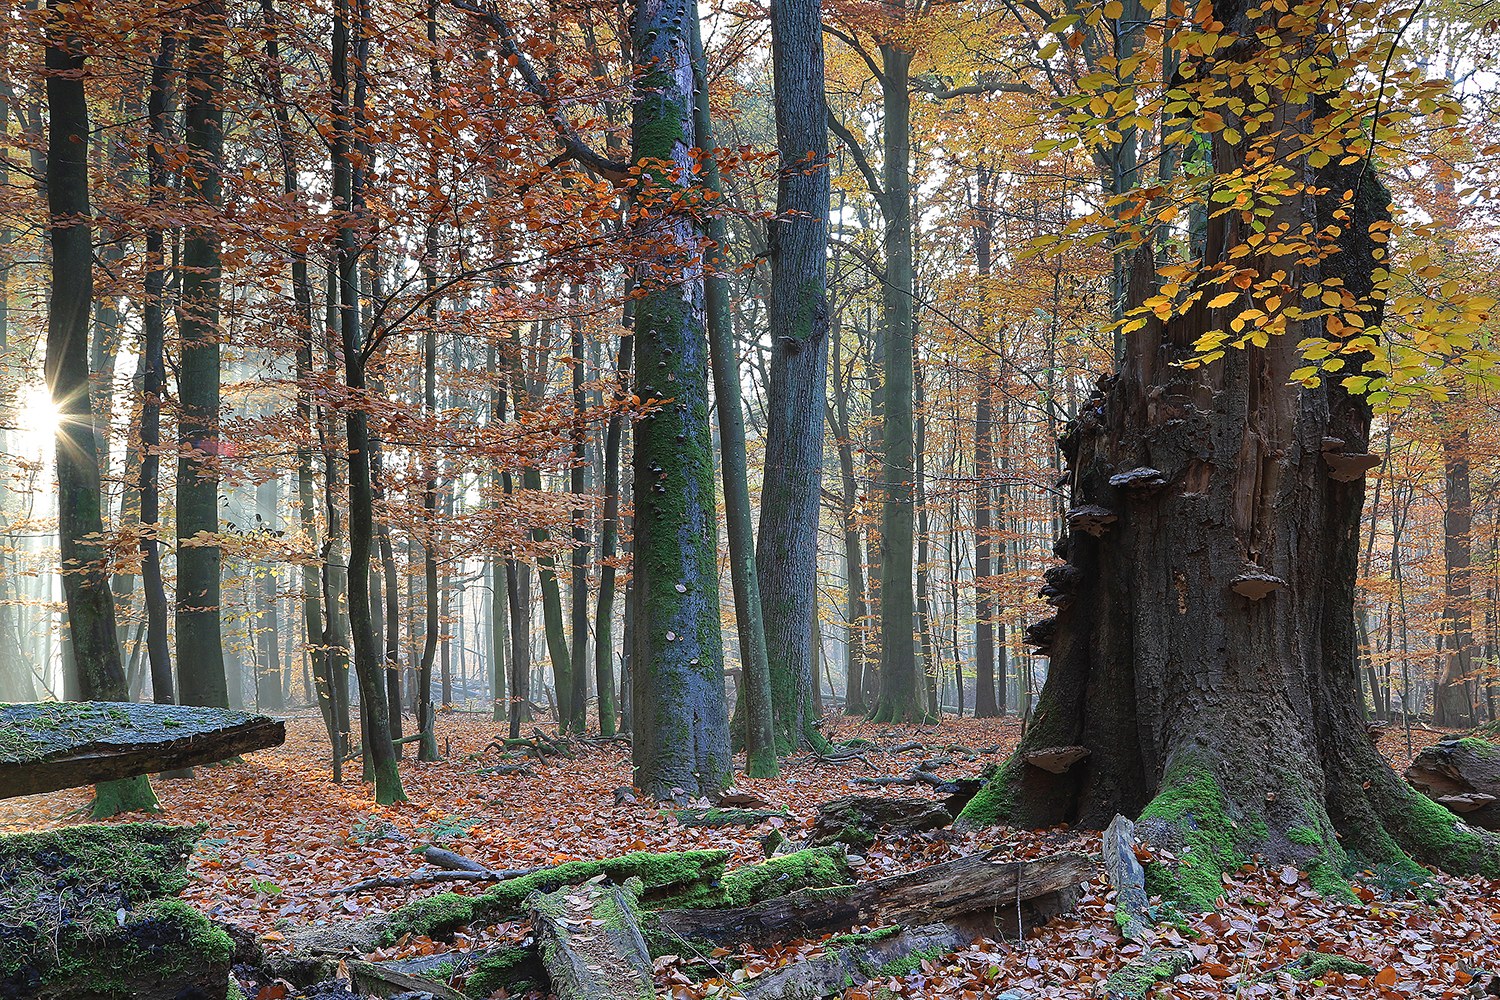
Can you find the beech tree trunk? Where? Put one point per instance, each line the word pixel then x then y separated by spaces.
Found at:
pixel 791 493
pixel 1228 723
pixel 200 651
pixel 80 521
pixel 681 727
pixel 1453 695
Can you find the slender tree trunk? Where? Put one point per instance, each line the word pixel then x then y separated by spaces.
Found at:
pixel 1453 699
pixel 681 736
pixel 854 570
pixel 986 705
pixel 349 183
pixel 91 611
pixel 604 645
pixel 200 656
pixel 579 589
pixel 900 671
pixel 755 709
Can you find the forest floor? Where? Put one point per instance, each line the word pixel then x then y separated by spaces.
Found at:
pixel 282 839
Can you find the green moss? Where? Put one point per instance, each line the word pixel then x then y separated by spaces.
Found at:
pixel 1135 980
pixel 910 963
pixel 995 802
pixel 1434 834
pixel 517 969
pixel 727 817
pixel 866 939
pixel 815 868
pixel 93 904
pixel 664 876
pixel 1304 835
pixel 1191 800
pixel 1316 966
pixel 1483 749
pixel 433 916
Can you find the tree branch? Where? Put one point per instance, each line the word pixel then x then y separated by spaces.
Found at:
pixel 945 93
pixel 850 41
pixel 859 158
pixel 577 149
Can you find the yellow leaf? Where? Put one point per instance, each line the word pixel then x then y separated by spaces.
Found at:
pixel 1219 301
pixel 1114 8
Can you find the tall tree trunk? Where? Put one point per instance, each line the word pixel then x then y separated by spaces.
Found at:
pixel 1453 697
pixel 681 734
pixel 579 590
pixel 496 560
pixel 200 647
pixel 756 708
pixel 609 529
pixel 1208 657
pixel 854 569
pixel 901 697
pixel 80 520
pixel 349 183
pixel 791 493
pixel 985 703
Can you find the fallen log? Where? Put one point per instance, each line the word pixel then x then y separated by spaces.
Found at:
pixel 375 979
pixel 1463 775
pixel 591 943
pixel 90 913
pixel 855 959
pixel 981 885
pixel 45 746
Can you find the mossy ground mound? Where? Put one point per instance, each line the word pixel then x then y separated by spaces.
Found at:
pixel 89 910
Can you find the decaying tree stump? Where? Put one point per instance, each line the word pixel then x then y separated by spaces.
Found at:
pixel 1464 775
pixel 90 913
pixel 45 746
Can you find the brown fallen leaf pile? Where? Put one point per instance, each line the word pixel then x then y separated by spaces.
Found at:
pixel 281 837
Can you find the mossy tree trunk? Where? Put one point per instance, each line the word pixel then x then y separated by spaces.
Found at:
pixel 681 729
pixel 91 610
pixel 791 493
pixel 1229 724
pixel 200 651
pixel 902 698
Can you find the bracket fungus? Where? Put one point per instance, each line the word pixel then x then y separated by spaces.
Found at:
pixel 1142 478
pixel 1091 518
pixel 1347 468
pixel 1255 584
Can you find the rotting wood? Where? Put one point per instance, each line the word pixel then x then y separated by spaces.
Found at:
pixel 51 745
pixel 373 979
pixel 854 962
pixel 1133 980
pixel 591 941
pixel 856 819
pixel 1132 915
pixel 1464 775
pixel 981 884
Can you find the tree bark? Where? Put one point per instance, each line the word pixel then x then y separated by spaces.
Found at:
pixel 1453 696
pixel 1230 724
pixel 985 703
pixel 791 492
pixel 80 521
pixel 681 732
pixel 200 652
pixel 609 529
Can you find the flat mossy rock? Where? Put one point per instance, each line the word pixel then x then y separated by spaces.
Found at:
pixel 90 912
pixel 45 746
pixel 858 819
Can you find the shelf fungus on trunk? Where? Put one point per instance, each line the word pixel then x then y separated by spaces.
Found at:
pixel 1091 518
pixel 1040 635
pixel 1056 759
pixel 1344 468
pixel 1256 583
pixel 1143 478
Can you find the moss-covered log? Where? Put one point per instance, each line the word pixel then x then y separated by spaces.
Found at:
pixel 856 820
pixel 50 745
pixel 91 913
pixel 985 886
pixel 687 879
